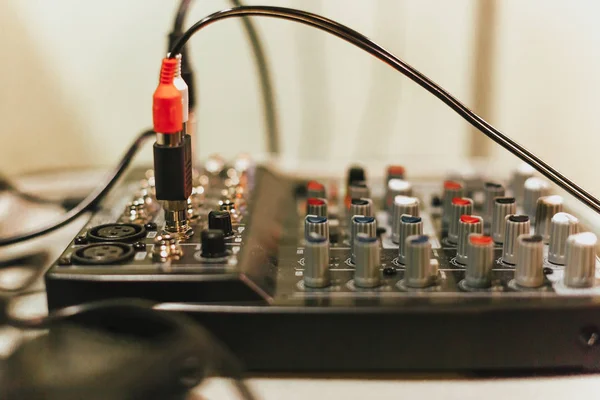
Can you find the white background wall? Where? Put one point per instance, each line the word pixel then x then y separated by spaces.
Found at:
pixel 77 78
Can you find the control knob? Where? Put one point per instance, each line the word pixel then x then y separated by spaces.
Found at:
pixel 514 226
pixel 580 260
pixel 316 261
pixel 368 261
pixel 562 226
pixel 403 205
pixel 529 271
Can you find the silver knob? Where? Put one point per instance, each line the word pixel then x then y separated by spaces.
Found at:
pixel 480 261
pixel 396 187
pixel 409 226
pixel 547 206
pixel 359 190
pixel 368 261
pixel 452 189
pixel 467 224
pixel 361 224
pixel 362 206
pixel 529 271
pixel 313 224
pixel 514 226
pixel 315 189
pixel 562 226
pixel 316 261
pixel 580 261
pixel 503 206
pixel 316 206
pixel 521 174
pixel 460 206
pixel 533 189
pixel 403 205
pixel 419 272
pixel 491 190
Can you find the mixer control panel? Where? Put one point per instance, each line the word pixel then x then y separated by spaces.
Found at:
pixel 395 258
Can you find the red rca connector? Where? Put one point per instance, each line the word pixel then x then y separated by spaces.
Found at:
pixel 167 108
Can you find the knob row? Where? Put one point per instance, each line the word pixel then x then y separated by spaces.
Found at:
pixel 421 271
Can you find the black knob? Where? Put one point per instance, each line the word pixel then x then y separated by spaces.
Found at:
pixel 220 220
pixel 213 243
pixel 356 174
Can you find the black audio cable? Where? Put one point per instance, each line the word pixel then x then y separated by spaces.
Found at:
pixel 211 356
pixel 270 110
pixel 91 201
pixel 366 44
pixel 7 186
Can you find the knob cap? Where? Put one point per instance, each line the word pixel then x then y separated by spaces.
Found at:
pixel 213 243
pixel 395 172
pixel 220 220
pixel 514 226
pixel 361 224
pixel 402 205
pixel 314 224
pixel 396 187
pixel 547 206
pixel 408 226
pixel 315 189
pixel 467 224
pixel 491 190
pixel 316 261
pixel 480 261
pixel 356 174
pixel 533 189
pixel 562 226
pixel 460 206
pixel 521 174
pixel 316 206
pixel 580 261
pixel 359 190
pixel 420 271
pixel 529 271
pixel 361 206
pixel 368 261
pixel 452 189
pixel 503 206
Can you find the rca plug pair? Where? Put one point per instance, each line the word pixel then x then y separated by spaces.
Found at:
pixel 173 148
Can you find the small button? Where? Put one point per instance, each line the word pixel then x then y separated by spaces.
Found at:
pixel 80 240
pixel 151 226
pixel 139 246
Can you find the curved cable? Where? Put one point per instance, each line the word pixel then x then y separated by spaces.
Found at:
pixel 182 11
pixel 262 66
pixel 268 97
pixel 364 43
pixel 91 200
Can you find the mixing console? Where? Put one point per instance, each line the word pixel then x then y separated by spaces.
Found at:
pixel 329 275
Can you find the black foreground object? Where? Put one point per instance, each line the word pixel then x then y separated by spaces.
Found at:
pixel 116 351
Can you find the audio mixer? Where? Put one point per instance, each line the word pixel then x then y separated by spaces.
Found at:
pixel 351 274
